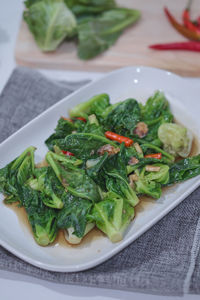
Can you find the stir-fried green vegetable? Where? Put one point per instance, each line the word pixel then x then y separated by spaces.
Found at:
pixel 43 219
pixel 184 169
pixel 112 216
pixel 101 160
pixel 47 182
pixel 96 24
pixel 74 180
pixel 63 128
pixel 84 145
pixel 16 174
pixel 96 105
pixel 123 118
pixel 154 113
pixel 74 217
pixel 176 139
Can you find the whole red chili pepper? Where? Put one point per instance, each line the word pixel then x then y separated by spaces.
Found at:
pixel 186 19
pixel 181 28
pixel 118 138
pixel 188 46
pixel 67 153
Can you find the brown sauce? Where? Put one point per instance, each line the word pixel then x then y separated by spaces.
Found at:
pixel 95 233
pixel 21 214
pixel 195 149
pixel 144 203
pixel 195 146
pixel 41 164
pixel 60 240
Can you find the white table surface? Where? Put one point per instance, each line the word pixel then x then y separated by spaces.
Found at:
pixel 12 284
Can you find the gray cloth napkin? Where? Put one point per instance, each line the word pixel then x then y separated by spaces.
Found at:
pixel 165 260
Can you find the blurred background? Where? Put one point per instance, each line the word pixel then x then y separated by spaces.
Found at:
pixel 42 41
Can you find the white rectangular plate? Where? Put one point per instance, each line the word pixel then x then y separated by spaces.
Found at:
pixel 136 82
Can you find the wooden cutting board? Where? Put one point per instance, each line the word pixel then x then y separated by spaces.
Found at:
pixel 130 49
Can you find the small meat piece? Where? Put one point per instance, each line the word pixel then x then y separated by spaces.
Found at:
pixel 111 150
pixel 133 161
pixel 141 129
pixel 138 148
pixel 151 168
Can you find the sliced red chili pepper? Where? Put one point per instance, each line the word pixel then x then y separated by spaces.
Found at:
pixel 181 28
pixel 154 155
pixel 66 119
pixel 81 119
pixel 118 138
pixel 67 153
pixel 188 46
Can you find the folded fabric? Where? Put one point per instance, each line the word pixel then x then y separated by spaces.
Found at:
pixel 165 260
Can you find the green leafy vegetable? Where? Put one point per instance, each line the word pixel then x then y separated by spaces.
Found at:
pixel 94 166
pixel 84 145
pixel 112 174
pixel 50 22
pixel 75 180
pixel 63 128
pixel 16 173
pixel 94 129
pixel 89 7
pixel 117 184
pixel 161 176
pixel 67 159
pixel 108 109
pixel 146 185
pixel 96 105
pixel 112 216
pixel 154 107
pixel 48 183
pixel 176 139
pixel 74 214
pixel 184 169
pixel 155 112
pixel 149 182
pixel 100 23
pixel 43 219
pixel 123 118
pixel 145 161
pixel 98 34
pixel 28 3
